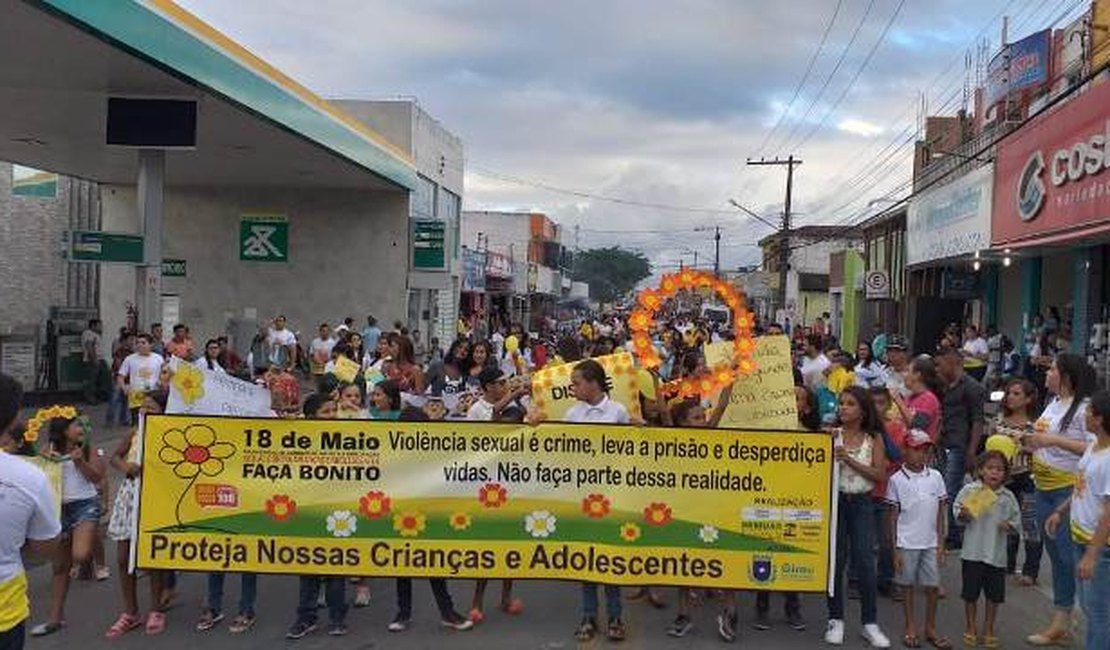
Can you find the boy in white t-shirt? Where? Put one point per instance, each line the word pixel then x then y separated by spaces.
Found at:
pixel 917 519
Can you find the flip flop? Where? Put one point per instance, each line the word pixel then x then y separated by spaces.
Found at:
pixel 939 642
pixel 46 629
pixel 911 641
pixel 970 640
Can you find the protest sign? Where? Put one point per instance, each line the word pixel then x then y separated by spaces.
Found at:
pixel 53 471
pixel 604 503
pixel 345 369
pixel 199 391
pixel 552 395
pixel 765 398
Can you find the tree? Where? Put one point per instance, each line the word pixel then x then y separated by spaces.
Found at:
pixel 610 272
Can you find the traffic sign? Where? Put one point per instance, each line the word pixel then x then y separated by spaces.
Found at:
pixel 98 246
pixel 877 285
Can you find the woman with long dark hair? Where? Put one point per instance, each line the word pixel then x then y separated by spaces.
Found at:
pixel 869 371
pixel 859 450
pixel 211 358
pixel 1059 441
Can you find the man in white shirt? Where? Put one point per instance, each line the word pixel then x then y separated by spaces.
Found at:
pixel 975 351
pixel 496 396
pixel 282 344
pixel 814 363
pixel 139 373
pixel 320 349
pixel 30 522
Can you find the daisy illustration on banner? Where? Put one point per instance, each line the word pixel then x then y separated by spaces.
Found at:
pixel 657 514
pixel 539 523
pixel 460 521
pixel 188 380
pixel 409 524
pixel 280 507
pixel 708 534
pixel 630 532
pixel 342 523
pixel 595 506
pixel 493 495
pixel 374 505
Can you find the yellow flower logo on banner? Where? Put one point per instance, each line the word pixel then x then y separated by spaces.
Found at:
pixel 630 532
pixel 194 451
pixel 188 380
pixel 460 521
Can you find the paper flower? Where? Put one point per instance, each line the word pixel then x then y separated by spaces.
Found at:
pixel 194 451
pixel 374 504
pixel 188 380
pixel 539 523
pixel 44 415
pixel 596 506
pixel 409 524
pixel 460 521
pixel 708 534
pixel 657 514
pixel 492 495
pixel 630 532
pixel 342 523
pixel 280 507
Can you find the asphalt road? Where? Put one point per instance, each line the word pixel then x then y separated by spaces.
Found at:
pixel 548 622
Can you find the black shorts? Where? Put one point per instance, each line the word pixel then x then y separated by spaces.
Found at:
pixel 986 579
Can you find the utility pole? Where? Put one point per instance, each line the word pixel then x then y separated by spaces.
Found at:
pixel 717 251
pixel 784 239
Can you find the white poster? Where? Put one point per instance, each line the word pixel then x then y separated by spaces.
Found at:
pixel 951 220
pixel 17 359
pixel 199 391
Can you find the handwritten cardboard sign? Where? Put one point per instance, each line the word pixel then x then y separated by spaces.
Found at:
pixel 552 395
pixel 764 399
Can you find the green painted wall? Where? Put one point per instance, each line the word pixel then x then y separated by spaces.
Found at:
pixel 854 268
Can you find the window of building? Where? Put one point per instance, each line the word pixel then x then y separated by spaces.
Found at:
pixel 422 201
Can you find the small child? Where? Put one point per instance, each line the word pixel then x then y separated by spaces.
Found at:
pixel 917 496
pixel 320 406
pixel 990 512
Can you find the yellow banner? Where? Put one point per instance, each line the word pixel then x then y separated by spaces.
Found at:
pixel 621 505
pixel 764 399
pixel 552 396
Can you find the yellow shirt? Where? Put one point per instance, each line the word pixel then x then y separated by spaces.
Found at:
pixel 14 605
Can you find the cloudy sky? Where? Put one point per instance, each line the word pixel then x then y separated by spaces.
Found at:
pixel 655 103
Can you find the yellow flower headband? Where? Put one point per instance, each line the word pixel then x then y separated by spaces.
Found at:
pixel 44 415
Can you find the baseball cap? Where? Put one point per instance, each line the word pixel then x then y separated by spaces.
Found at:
pixel 897 342
pixel 916 439
pixel 489 376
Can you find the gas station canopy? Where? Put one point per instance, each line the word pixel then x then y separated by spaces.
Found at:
pixel 61 60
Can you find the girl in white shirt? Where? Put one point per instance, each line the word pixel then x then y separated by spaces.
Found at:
pixel 588 381
pixel 1090 524
pixel 67 443
pixel 211 358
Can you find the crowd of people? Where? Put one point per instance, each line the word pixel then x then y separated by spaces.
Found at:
pixel 924 470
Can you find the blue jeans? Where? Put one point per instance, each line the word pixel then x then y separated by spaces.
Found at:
pixel 886 549
pixel 1058 547
pixel 855 534
pixel 612 600
pixel 118 413
pixel 954 470
pixel 335 593
pixel 1094 598
pixel 248 592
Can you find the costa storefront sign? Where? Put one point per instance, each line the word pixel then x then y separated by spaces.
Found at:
pixel 1052 183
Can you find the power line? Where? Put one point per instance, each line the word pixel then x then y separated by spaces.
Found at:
pixel 805 77
pixel 855 77
pixel 829 77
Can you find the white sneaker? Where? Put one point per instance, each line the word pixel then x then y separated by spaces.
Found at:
pixel 874 636
pixel 834 633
